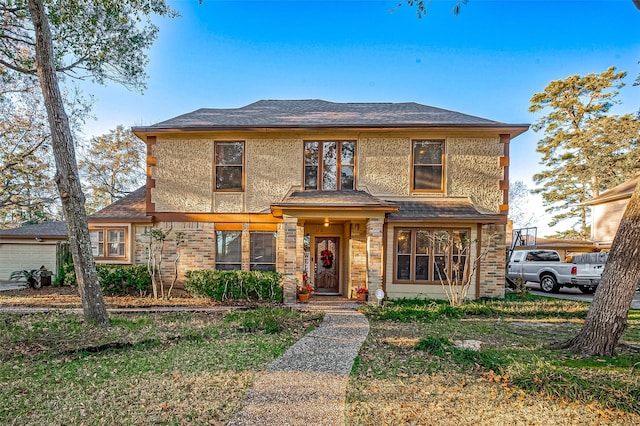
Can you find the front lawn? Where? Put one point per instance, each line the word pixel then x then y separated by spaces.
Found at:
pixel 169 369
pixel 488 363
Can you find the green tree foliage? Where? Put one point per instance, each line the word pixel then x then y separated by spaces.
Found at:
pixel 585 150
pixel 26 190
pixel 87 39
pixel 113 166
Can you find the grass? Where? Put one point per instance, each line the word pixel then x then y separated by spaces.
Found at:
pixel 413 369
pixel 195 368
pixel 176 368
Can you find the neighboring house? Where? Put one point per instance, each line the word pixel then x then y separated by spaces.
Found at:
pixel 353 194
pixel 31 247
pixel 607 210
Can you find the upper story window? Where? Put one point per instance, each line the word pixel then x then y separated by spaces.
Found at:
pixel 109 243
pixel 329 165
pixel 229 159
pixel 428 165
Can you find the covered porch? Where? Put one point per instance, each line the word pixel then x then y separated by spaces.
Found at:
pixel 332 240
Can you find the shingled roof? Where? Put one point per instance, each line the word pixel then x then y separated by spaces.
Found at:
pixel 53 229
pixel 622 191
pixel 319 113
pixel 432 209
pixel 131 208
pixel 350 199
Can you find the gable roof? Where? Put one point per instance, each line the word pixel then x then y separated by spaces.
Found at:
pixel 53 229
pixel 316 113
pixel 131 208
pixel 620 192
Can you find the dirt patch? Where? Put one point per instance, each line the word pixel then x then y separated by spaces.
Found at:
pixel 68 297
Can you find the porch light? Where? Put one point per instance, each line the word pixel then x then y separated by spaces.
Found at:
pixel 326 222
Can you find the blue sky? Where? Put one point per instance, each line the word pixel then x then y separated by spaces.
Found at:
pixel 488 61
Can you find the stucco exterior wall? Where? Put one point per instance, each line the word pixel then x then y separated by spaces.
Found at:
pixel 474 170
pixel 184 171
pixel 224 202
pixel 183 175
pixel 384 165
pixel 272 167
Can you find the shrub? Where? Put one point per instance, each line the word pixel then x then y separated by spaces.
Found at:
pixel 120 280
pixel 235 285
pixel 116 280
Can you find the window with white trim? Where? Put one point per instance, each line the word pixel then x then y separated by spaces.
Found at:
pixel 109 242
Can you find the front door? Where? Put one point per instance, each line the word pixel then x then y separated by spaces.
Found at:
pixel 327 260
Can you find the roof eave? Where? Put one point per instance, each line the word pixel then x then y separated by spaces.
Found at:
pixel 514 130
pixel 499 219
pixel 277 210
pixel 4 238
pixel 120 219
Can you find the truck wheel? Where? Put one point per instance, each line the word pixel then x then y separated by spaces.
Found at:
pixel 548 284
pixel 587 290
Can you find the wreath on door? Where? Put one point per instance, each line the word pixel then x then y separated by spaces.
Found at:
pixel 327 258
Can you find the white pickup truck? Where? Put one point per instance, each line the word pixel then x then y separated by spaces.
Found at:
pixel 546 268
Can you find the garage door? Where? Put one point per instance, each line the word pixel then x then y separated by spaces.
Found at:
pixel 17 257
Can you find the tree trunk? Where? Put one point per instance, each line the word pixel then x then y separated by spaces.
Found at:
pixel 67 177
pixel 607 317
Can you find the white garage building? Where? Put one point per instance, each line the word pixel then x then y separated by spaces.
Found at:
pixel 30 247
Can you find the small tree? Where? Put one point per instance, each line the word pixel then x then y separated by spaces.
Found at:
pixel 155 257
pixel 457 281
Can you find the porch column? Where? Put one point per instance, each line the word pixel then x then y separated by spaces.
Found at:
pixel 374 255
pixel 293 257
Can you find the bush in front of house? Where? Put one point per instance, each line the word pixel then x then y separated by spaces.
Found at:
pixel 235 285
pixel 116 280
pixel 120 280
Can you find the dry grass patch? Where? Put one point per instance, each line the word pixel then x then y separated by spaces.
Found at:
pixel 413 371
pixel 68 297
pixel 173 368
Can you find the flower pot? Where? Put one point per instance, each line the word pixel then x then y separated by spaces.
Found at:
pixel 362 297
pixel 304 297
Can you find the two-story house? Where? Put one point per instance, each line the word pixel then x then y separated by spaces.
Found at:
pixel 348 194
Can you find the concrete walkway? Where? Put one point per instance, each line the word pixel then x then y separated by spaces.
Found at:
pixel 307 384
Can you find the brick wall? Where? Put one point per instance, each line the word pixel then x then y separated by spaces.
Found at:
pixel 374 261
pixel 492 266
pixel 197 250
